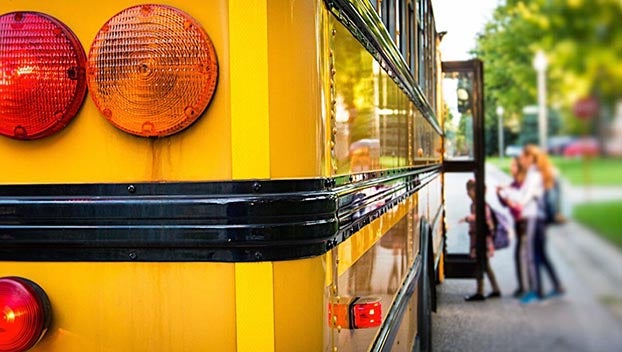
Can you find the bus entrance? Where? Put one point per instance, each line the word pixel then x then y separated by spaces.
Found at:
pixel 463 124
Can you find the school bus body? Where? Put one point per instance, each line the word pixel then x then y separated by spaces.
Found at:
pixel 284 73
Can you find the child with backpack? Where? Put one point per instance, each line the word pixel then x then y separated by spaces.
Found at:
pixel 470 219
pixel 508 197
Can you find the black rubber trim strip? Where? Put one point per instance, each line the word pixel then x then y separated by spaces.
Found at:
pixel 387 332
pixel 366 26
pixel 235 221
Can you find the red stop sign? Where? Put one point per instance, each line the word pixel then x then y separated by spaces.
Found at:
pixel 586 108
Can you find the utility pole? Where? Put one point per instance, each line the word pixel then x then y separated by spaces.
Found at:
pixel 500 116
pixel 540 63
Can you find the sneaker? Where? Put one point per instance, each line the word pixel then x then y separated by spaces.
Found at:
pixel 529 297
pixel 494 294
pixel 475 297
pixel 555 293
pixel 518 293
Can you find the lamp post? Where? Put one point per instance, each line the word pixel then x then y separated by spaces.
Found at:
pixel 500 116
pixel 540 62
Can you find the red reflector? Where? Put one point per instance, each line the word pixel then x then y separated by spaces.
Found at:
pixel 24 314
pixel 152 70
pixel 367 315
pixel 42 75
pixel 355 313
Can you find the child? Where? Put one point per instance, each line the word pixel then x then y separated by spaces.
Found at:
pixel 496 292
pixel 508 197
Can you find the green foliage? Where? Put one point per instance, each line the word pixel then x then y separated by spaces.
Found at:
pixel 582 40
pixel 591 171
pixel 603 218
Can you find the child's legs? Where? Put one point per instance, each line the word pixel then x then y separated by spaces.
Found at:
pixel 480 286
pixel 544 258
pixel 530 254
pixel 492 278
pixel 519 255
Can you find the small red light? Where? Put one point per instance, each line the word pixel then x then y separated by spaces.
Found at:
pixel 367 315
pixel 25 314
pixel 42 75
pixel 355 313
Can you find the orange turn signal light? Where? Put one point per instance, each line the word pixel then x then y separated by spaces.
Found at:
pixel 152 70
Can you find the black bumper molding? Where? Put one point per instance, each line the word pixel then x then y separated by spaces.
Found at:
pixel 233 221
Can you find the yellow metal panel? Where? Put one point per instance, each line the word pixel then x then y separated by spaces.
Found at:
pixel 354 247
pixel 250 123
pixel 299 305
pixel 92 150
pixel 294 58
pixel 254 295
pixel 135 306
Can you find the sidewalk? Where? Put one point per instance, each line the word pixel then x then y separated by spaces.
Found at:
pixel 600 262
pixel 587 318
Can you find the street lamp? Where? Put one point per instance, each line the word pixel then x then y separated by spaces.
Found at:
pixel 500 115
pixel 540 62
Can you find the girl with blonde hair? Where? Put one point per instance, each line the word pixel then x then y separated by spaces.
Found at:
pixel 539 178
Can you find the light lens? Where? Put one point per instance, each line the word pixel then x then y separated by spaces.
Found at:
pixel 355 313
pixel 338 315
pixel 152 70
pixel 367 315
pixel 24 314
pixel 42 75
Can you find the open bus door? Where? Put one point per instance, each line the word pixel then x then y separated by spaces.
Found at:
pixel 463 125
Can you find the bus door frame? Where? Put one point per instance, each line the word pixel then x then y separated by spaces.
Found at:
pixel 460 265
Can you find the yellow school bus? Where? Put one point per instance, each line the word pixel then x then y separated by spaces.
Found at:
pixel 219 175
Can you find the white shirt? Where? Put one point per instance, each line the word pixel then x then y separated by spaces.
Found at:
pixel 531 192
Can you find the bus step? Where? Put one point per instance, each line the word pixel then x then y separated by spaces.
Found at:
pixel 460 266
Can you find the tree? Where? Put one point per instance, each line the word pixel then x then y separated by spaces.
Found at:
pixel 582 40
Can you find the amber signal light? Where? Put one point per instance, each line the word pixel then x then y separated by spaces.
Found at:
pixel 152 70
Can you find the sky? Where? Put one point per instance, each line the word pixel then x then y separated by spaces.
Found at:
pixel 462 19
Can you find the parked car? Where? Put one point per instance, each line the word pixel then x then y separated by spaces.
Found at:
pixel 513 150
pixel 557 144
pixel 582 147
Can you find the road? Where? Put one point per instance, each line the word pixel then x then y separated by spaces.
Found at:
pixel 587 318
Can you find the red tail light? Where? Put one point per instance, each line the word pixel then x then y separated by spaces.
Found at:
pixel 152 70
pixel 42 75
pixel 25 314
pixel 355 313
pixel 367 314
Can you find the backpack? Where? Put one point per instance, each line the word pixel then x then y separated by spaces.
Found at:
pixel 501 232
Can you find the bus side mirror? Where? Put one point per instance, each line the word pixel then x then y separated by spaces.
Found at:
pixel 464 101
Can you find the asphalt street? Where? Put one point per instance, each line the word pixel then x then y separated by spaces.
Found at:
pixel 587 318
